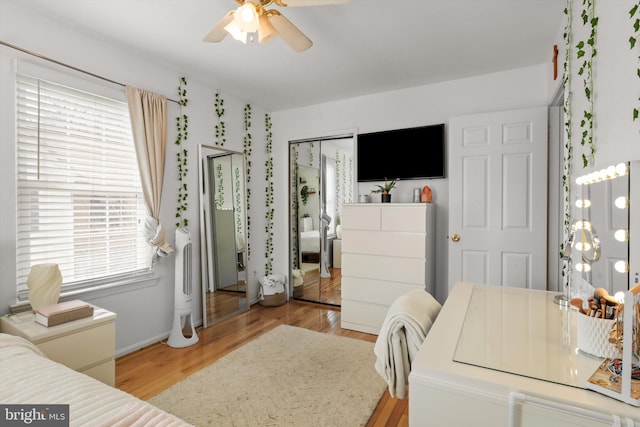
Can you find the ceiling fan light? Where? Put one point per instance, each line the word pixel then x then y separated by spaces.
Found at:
pixel 266 31
pixel 236 32
pixel 246 17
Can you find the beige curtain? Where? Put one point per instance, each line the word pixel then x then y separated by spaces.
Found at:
pixel 148 112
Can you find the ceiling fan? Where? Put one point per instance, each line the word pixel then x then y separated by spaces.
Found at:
pixel 252 17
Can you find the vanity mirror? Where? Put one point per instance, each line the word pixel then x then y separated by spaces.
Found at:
pixel 601 243
pixel 223 240
pixel 320 181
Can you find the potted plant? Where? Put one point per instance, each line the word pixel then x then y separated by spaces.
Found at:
pixel 384 190
pixel 304 193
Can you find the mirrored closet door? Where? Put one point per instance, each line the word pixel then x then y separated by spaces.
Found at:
pixel 223 224
pixel 321 175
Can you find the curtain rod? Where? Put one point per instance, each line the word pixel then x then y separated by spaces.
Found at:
pixel 37 55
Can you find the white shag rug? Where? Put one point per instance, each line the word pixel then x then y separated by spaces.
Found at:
pixel 288 376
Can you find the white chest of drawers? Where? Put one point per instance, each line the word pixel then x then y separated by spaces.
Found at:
pixel 387 251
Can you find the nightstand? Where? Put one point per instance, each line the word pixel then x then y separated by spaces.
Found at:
pixel 85 345
pixel 337 253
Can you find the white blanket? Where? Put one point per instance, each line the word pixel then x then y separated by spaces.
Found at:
pixel 27 377
pixel 403 331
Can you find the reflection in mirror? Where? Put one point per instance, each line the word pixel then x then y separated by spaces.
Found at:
pixel 602 238
pixel 223 223
pixel 321 180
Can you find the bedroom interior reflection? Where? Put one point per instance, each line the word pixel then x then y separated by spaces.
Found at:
pixel 601 243
pixel 315 245
pixel 223 241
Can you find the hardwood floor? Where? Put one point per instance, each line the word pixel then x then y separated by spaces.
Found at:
pixel 148 371
pixel 325 290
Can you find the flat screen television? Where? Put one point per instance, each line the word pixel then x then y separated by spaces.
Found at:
pixel 412 153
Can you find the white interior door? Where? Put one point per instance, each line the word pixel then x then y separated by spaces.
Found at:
pixel 498 198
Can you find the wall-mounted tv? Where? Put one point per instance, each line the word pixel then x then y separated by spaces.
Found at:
pixel 412 153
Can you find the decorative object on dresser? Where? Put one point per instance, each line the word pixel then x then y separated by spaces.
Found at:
pixel 426 195
pixel 385 190
pixel 387 251
pixel 44 284
pixel 619 377
pixel 56 314
pixel 92 339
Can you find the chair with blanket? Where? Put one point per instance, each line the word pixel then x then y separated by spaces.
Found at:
pixel 403 331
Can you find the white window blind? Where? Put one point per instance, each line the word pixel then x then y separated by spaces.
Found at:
pixel 80 204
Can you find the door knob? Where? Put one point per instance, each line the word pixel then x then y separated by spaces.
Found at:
pixel 455 237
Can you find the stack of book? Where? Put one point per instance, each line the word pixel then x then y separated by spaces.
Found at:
pixel 63 312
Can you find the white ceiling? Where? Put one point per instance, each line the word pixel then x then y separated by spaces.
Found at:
pixel 360 47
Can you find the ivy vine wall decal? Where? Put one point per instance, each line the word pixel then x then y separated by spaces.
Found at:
pixel 182 122
pixel 294 200
pixel 568 147
pixel 339 185
pixel 587 52
pixel 269 193
pixel 247 153
pixel 219 201
pixel 634 15
pixel 220 126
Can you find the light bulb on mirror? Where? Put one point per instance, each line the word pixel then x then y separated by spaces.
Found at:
pixel 583 225
pixel 619 296
pixel 621 266
pixel 622 202
pixel 583 267
pixel 583 203
pixel 583 246
pixel 621 235
pixel 621 169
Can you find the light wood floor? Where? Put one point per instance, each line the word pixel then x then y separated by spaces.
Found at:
pixel 150 370
pixel 325 290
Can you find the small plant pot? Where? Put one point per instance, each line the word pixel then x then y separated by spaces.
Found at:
pixel 385 198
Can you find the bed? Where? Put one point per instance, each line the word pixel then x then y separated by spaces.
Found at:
pixel 310 246
pixel 28 377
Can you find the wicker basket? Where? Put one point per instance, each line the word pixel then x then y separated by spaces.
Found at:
pixel 593 336
pixel 273 300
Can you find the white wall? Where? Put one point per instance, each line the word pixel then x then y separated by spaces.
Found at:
pixel 417 106
pixel 616 89
pixel 145 312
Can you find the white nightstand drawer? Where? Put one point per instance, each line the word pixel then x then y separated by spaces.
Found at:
pixel 83 349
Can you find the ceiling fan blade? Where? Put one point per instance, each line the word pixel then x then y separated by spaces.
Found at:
pixel 290 33
pixel 297 3
pixel 266 31
pixel 218 33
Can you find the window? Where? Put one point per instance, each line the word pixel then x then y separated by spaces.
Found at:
pixel 80 203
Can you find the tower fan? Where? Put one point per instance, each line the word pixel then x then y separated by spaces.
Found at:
pixel 182 315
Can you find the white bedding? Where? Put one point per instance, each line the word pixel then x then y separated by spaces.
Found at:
pixel 310 241
pixel 28 377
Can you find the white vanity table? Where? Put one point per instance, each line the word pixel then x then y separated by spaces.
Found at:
pixel 501 356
